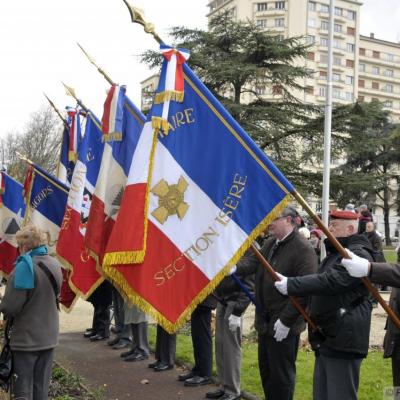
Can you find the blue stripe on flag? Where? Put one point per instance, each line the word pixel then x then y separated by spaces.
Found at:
pixel 12 197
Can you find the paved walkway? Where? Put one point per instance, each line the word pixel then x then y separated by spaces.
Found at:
pixel 102 367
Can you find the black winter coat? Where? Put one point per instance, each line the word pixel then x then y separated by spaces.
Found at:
pixel 294 256
pixel 392 337
pixel 340 304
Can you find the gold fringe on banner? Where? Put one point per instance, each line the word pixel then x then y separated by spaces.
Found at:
pixel 72 156
pixel 112 137
pixel 160 124
pixel 136 257
pixel 119 281
pixel 169 95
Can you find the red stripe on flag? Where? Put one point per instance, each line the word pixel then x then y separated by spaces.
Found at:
pixel 167 279
pixel 8 254
pixel 131 212
pixel 105 121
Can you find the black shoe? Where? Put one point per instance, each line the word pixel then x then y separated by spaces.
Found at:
pixel 198 381
pixel 89 333
pixel 163 367
pixel 230 396
pixel 97 337
pixel 215 394
pixel 128 353
pixel 121 345
pixel 136 357
pixel 113 341
pixel 114 330
pixel 187 375
pixel 154 364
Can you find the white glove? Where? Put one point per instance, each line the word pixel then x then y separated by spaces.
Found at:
pixel 233 270
pixel 281 285
pixel 281 331
pixel 234 322
pixel 356 266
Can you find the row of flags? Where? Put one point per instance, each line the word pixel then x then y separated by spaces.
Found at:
pixel 162 206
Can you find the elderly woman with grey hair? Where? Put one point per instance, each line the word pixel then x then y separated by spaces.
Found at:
pixel 30 304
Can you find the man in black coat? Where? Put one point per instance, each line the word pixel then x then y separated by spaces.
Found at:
pixel 278 323
pixel 341 307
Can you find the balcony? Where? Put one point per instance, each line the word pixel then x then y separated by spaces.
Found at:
pixel 379 92
pixel 379 61
pixel 379 77
pixel 270 12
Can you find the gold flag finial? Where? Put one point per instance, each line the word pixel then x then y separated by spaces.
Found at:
pixel 137 16
pixel 71 92
pixel 106 76
pixel 56 110
pixel 24 158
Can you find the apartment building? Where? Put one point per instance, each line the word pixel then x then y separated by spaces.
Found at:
pixel 364 68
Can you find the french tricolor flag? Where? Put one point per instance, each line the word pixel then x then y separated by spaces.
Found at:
pixel 111 122
pixel 71 247
pixel 114 170
pixel 12 212
pixel 206 192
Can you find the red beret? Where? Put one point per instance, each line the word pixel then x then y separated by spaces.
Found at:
pixel 342 214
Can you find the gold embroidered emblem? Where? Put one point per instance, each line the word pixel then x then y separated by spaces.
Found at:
pixel 170 200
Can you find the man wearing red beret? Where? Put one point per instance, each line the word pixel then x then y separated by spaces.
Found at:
pixel 341 307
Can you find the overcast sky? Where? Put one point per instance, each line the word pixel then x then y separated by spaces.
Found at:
pixel 38 47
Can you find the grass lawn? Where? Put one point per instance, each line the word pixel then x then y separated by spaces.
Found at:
pixel 390 255
pixel 375 371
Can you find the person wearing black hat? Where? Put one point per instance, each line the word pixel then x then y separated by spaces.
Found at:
pixel 277 322
pixel 341 307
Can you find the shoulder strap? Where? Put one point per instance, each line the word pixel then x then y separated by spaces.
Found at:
pixel 52 280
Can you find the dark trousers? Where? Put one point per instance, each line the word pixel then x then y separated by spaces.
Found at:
pixel 396 371
pixel 165 346
pixel 32 373
pixel 277 364
pixel 101 300
pixel 336 378
pixel 202 341
pixel 123 330
pixel 140 337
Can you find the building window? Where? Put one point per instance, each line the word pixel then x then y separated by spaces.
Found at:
pixel 336 77
pixel 311 56
pixel 260 90
pixel 361 98
pixel 325 25
pixel 279 22
pixel 261 23
pixel 336 93
pixel 361 83
pixel 388 104
pixel 262 6
pixel 312 6
pixel 375 85
pixel 323 75
pixel 375 70
pixel 389 73
pixel 374 99
pixel 338 11
pixel 277 89
pixel 324 41
pixel 361 67
pixel 337 44
pixel 390 57
pixel 351 15
pixel 324 8
pixel 376 54
pixel 389 88
pixel 361 51
pixel 349 80
pixel 279 5
pixel 349 96
pixel 337 61
pixel 337 28
pixel 322 91
pixel 309 90
pixel 350 63
pixel 323 58
pixel 351 31
pixel 311 23
pixel 350 47
pixel 310 39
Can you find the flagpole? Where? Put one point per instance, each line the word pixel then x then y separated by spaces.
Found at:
pixel 91 60
pixel 71 92
pixel 56 110
pixel 328 126
pixel 137 16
